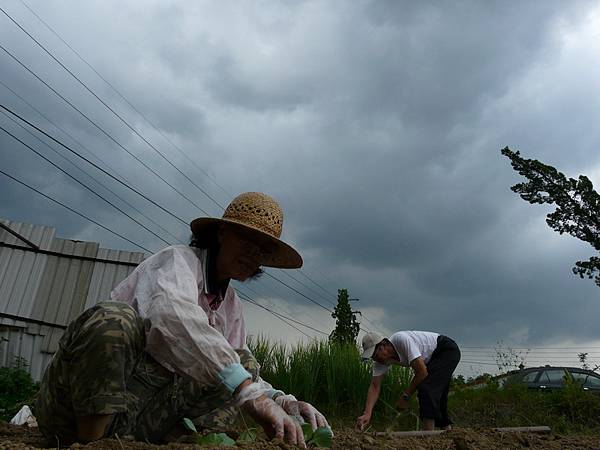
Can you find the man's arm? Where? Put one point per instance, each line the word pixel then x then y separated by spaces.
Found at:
pixel 420 373
pixel 372 396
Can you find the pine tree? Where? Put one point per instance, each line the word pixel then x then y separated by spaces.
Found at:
pixel 346 326
pixel 578 205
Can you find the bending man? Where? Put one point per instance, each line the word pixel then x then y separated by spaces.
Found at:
pixel 431 356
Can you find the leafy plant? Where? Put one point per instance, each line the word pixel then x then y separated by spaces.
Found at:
pixel 321 437
pixel 16 388
pixel 216 439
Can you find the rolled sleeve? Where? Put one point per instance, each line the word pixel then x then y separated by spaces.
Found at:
pixel 233 375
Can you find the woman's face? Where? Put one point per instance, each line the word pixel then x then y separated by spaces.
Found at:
pixel 240 256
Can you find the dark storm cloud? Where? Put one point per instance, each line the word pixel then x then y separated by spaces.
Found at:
pixel 378 125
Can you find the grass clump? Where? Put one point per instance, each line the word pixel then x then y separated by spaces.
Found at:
pixel 16 388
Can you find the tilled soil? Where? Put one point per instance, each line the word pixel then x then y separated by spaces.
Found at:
pixel 21 437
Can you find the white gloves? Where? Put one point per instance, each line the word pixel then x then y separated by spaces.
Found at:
pixel 274 420
pixel 302 411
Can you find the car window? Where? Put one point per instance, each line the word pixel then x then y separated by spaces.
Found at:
pixel 578 377
pixel 592 381
pixel 530 377
pixel 552 376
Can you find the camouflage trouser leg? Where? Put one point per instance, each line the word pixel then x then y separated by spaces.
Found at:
pixel 97 353
pixel 101 368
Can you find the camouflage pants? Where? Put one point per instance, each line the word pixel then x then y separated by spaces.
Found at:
pixel 101 368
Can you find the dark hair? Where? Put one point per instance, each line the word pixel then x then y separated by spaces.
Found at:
pixel 208 239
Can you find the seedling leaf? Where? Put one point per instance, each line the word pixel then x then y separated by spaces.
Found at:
pixel 189 425
pixel 216 439
pixel 308 432
pixel 322 437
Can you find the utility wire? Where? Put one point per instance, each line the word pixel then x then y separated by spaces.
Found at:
pixel 316 284
pixel 93 178
pixel 83 184
pixel 280 318
pixel 102 129
pixel 287 272
pixel 109 108
pixel 81 58
pixel 79 155
pixel 16 94
pixel 278 314
pixel 309 313
pixel 74 211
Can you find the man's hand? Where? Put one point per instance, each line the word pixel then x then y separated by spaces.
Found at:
pixel 274 420
pixel 402 403
pixel 362 421
pixel 302 410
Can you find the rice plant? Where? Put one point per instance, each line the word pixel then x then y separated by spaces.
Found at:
pixel 330 376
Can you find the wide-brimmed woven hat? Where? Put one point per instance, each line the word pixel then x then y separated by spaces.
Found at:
pixel 261 216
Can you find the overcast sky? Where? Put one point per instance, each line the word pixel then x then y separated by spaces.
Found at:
pixel 376 124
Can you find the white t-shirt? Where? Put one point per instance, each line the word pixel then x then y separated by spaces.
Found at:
pixel 409 345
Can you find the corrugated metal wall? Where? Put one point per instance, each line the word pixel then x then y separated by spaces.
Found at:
pixel 50 289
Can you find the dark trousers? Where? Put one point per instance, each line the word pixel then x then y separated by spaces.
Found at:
pixel 433 391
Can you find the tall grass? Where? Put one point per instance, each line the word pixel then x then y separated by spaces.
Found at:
pixel 330 376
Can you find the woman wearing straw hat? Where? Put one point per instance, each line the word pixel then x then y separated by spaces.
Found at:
pixel 433 358
pixel 172 343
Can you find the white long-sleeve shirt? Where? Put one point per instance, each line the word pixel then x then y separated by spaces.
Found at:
pixel 184 332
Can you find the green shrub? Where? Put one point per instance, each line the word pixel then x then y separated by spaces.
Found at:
pixel 16 388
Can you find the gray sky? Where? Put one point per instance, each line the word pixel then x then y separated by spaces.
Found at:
pixel 377 125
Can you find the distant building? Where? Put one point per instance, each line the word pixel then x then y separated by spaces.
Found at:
pixel 45 282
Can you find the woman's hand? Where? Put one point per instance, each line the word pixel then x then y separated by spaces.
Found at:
pixel 302 410
pixel 274 420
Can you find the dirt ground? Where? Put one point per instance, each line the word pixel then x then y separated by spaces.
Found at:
pixel 21 437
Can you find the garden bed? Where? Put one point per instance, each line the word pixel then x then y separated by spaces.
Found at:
pixel 20 437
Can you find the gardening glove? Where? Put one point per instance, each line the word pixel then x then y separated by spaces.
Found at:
pixel 304 412
pixel 274 420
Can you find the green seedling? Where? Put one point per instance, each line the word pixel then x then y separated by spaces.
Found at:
pixel 216 439
pixel 321 437
pixel 187 423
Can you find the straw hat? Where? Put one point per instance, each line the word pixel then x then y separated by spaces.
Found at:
pixel 262 216
pixel 369 342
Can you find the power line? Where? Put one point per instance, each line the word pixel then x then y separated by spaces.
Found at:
pixel 74 211
pixel 79 155
pixel 255 302
pixel 307 287
pixel 83 185
pixel 109 108
pixel 313 318
pixel 102 130
pixel 86 149
pixel 280 318
pixel 97 181
pixel 316 284
pixel 125 99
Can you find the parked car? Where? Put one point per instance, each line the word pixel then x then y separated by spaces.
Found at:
pixel 548 378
